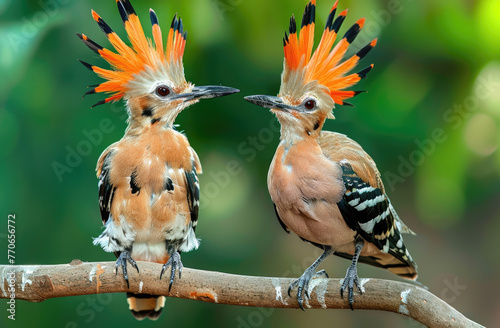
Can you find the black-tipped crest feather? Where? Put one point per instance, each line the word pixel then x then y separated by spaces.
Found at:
pixel 329 21
pixel 104 27
pixel 337 23
pixel 89 92
pixel 364 51
pixel 153 17
pixel 362 74
pixel 175 23
pixel 293 25
pixel 352 33
pixel 102 102
pixel 90 44
pixel 123 13
pixel 87 65
pixel 128 7
pixel 309 14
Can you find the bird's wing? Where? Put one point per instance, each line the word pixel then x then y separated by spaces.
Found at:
pixel 368 211
pixel 196 161
pixel 193 194
pixel 106 189
pixel 339 147
pixel 282 224
pixel 193 187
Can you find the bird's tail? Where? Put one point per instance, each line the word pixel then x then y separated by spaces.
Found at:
pixel 145 305
pixel 398 260
pixel 405 268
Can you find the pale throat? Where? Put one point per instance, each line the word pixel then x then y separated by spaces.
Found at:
pixel 161 116
pixel 168 119
pixel 291 133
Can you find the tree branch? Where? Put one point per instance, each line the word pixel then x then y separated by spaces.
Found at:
pixel 36 283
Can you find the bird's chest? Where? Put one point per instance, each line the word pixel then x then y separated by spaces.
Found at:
pixel 302 172
pixel 282 175
pixel 149 175
pixel 306 187
pixel 146 162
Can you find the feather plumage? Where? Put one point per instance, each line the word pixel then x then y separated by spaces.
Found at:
pixel 142 55
pixel 326 65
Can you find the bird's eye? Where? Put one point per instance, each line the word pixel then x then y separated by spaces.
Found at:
pixel 162 91
pixel 310 104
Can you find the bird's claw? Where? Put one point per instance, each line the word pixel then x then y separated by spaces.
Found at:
pixel 122 261
pixel 350 279
pixel 175 262
pixel 302 285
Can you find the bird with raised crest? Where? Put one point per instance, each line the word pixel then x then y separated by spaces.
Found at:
pixel 148 181
pixel 325 187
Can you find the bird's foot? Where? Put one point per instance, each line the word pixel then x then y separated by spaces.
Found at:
pixel 122 261
pixel 175 262
pixel 350 279
pixel 302 284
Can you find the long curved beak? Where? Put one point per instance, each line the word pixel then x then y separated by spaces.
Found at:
pixel 206 92
pixel 269 102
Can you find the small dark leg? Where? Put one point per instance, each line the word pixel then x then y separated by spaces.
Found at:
pixel 309 274
pixel 351 276
pixel 122 260
pixel 175 262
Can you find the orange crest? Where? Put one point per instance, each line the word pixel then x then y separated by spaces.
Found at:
pixel 326 65
pixel 137 58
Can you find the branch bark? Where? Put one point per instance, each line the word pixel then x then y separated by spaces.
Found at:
pixel 36 283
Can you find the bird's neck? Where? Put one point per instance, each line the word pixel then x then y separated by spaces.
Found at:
pixel 292 135
pixel 152 126
pixel 143 116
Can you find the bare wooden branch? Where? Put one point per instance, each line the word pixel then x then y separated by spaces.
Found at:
pixel 36 283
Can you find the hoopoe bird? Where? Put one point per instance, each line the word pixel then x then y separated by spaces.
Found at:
pixel 148 181
pixel 325 187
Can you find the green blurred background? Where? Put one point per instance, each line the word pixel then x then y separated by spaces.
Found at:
pixel 430 120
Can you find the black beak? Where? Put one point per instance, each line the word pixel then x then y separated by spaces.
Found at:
pixel 206 92
pixel 269 102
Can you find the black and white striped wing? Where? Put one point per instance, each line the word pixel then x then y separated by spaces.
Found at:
pixel 106 190
pixel 368 211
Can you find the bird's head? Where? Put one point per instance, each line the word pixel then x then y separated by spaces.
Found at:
pixel 311 84
pixel 149 78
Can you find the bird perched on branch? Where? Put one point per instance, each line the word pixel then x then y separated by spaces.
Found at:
pixel 324 186
pixel 148 183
